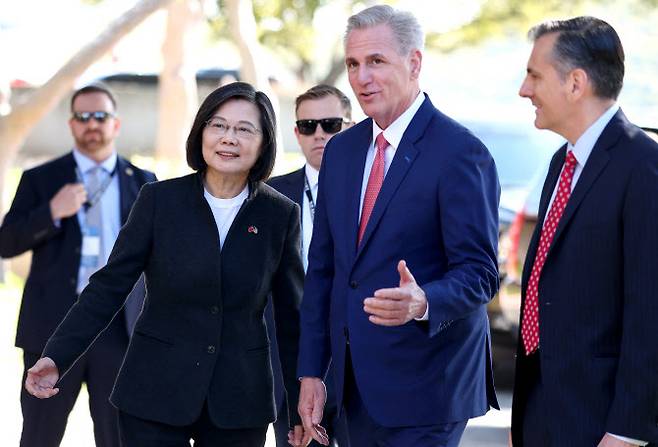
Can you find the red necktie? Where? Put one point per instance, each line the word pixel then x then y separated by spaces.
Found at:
pixel 375 181
pixel 530 321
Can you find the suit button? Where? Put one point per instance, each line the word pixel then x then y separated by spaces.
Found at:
pixel 77 250
pixel 548 303
pixel 211 349
pixel 214 310
pixel 354 284
pixel 73 281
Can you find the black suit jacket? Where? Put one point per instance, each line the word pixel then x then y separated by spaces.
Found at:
pixel 291 185
pixel 598 297
pixel 201 336
pixel 50 288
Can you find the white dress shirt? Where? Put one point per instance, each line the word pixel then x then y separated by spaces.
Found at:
pixel 224 211
pixel 110 204
pixel 393 135
pixel 312 175
pixel 582 150
pixel 583 147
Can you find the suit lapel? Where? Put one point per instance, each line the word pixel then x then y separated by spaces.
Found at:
pixel 128 187
pixel 404 157
pixel 63 177
pixel 244 215
pixel 296 183
pixel 362 142
pixel 68 174
pixel 595 164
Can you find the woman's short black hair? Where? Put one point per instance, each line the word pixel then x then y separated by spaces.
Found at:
pixel 243 91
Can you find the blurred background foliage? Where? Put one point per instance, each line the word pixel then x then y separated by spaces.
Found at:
pixel 513 17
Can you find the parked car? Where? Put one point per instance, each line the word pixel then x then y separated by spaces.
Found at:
pixel 521 153
pixel 513 246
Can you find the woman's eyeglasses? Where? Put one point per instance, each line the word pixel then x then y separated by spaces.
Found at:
pixel 219 127
pixel 99 116
pixel 329 125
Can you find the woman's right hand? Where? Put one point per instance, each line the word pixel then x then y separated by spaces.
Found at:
pixel 41 379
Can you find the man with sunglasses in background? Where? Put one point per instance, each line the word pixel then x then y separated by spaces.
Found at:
pixel 68 211
pixel 322 111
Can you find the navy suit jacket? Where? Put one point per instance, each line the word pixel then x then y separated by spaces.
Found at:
pixel 50 288
pixel 291 185
pixel 437 210
pixel 598 303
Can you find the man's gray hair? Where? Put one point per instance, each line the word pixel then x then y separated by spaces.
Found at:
pixel 405 27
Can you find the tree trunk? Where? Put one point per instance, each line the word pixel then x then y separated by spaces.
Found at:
pixel 15 126
pixel 335 70
pixel 177 89
pixel 242 24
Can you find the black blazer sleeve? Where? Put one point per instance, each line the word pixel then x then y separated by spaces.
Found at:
pixel 286 298
pixel 108 287
pixel 634 408
pixel 28 222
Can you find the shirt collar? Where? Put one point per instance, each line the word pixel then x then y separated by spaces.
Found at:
pixel 312 175
pixel 85 163
pixel 584 145
pixel 227 203
pixel 395 131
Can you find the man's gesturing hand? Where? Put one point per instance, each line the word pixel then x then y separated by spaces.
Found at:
pixel 399 305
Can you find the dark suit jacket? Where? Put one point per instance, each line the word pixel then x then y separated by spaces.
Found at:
pixel 437 210
pixel 201 336
pixel 598 302
pixel 50 288
pixel 292 186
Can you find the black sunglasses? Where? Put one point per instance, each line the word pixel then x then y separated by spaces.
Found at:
pixel 329 125
pixel 100 116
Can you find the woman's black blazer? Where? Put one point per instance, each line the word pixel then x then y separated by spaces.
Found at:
pixel 201 336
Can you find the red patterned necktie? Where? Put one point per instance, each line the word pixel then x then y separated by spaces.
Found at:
pixel 375 181
pixel 530 322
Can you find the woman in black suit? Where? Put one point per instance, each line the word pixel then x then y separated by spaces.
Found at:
pixel 212 246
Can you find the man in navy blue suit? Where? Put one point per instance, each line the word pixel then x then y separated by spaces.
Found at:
pixel 406 190
pixel 322 111
pixel 68 212
pixel 587 363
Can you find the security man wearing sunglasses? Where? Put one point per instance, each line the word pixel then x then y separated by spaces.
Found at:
pixel 322 111
pixel 68 212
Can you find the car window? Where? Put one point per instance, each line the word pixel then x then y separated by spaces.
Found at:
pixel 520 151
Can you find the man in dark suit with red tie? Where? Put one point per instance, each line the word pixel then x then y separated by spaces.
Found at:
pixel 322 111
pixel 68 212
pixel 403 257
pixel 587 362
